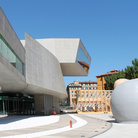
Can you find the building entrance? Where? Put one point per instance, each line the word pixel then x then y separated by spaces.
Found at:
pixel 16 104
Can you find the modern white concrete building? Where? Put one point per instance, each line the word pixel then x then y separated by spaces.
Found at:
pixel 32 70
pixel 71 54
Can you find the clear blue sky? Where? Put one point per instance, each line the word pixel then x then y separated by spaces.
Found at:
pixel 107 28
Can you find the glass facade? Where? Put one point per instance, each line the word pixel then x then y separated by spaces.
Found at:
pixel 15 104
pixel 83 60
pixel 9 54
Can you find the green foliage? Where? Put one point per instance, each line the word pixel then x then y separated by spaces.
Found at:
pixel 131 72
pixel 110 80
pixel 63 103
pixel 135 67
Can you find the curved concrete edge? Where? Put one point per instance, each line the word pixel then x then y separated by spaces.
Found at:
pixel 105 119
pixel 80 123
pixel 30 122
pixel 100 134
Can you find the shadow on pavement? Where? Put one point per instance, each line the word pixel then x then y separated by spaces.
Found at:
pixel 13 118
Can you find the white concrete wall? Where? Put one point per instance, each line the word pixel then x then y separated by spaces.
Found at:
pixel 44 104
pixel 48 103
pixel 10 36
pixel 39 104
pixel 64 49
pixel 43 71
pixel 11 79
pixel 56 103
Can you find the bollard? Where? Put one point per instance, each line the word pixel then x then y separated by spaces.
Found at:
pixel 70 123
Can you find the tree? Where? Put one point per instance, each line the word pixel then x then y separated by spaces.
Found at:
pixel 131 72
pixel 110 80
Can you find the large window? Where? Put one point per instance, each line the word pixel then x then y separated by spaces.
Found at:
pixel 83 60
pixel 9 54
pixel 82 56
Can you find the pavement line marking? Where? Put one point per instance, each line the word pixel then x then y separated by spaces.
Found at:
pixel 80 122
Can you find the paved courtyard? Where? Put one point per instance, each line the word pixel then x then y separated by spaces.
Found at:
pixel 84 126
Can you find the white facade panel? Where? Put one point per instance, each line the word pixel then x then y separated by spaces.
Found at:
pixel 11 50
pixel 66 51
pixel 11 80
pixel 10 36
pixel 63 49
pixel 43 69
